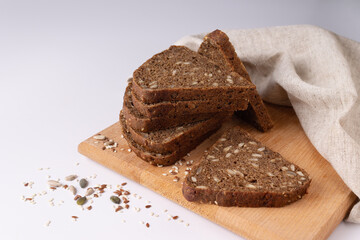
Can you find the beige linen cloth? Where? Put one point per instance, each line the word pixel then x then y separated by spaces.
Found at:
pixel 318 73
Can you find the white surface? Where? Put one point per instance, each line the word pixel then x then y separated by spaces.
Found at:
pixel 63 70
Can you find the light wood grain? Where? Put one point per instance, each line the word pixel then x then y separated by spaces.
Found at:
pixel 314 217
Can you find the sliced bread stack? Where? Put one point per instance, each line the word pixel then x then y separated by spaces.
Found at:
pixel 177 99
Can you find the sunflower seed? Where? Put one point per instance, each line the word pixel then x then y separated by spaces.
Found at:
pixel 256 155
pixel 300 173
pixel 216 179
pixel 99 137
pixel 250 186
pixel 71 177
pixel 227 148
pixel 72 189
pixel 53 183
pixel 292 167
pixel 89 191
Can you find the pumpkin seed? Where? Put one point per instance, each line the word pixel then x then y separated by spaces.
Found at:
pixel 115 199
pixel 81 201
pixel 83 183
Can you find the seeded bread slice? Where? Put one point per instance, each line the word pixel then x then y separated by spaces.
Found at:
pixel 179 74
pixel 179 108
pixel 139 122
pixel 158 158
pixel 172 139
pixel 217 47
pixel 240 171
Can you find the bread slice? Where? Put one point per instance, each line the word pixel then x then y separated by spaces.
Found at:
pixel 164 159
pixel 172 139
pixel 139 122
pixel 240 171
pixel 217 47
pixel 179 74
pixel 179 108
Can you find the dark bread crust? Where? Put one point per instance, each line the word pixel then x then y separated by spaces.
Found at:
pixel 161 159
pixel 218 41
pixel 178 108
pixel 141 123
pixel 254 187
pixel 186 93
pixel 242 199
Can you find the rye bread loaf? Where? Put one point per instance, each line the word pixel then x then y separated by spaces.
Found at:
pixel 179 74
pixel 139 122
pixel 158 158
pixel 179 108
pixel 217 47
pixel 240 171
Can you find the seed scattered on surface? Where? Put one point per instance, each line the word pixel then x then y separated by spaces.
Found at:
pixel 148 206
pixel 54 184
pixel 222 139
pixel 99 137
pixel 118 208
pixel 89 207
pixel 175 217
pixel 227 149
pixel 253 143
pixel 71 177
pixel 72 189
pixel 83 183
pixel 241 144
pixel 228 155
pixel 89 191
pixel 115 199
pixel 201 187
pixel 47 223
pixel 256 155
pixel 81 201
pixel 193 179
pixel 147 225
pixel 270 174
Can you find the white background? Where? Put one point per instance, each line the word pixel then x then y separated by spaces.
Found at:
pixel 63 71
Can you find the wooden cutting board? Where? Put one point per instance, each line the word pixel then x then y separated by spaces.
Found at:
pixel 314 217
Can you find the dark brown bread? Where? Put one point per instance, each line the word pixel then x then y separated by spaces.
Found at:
pixel 179 74
pixel 217 47
pixel 240 171
pixel 179 108
pixel 172 139
pixel 158 158
pixel 141 123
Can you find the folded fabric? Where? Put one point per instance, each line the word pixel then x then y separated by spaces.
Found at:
pixel 317 72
